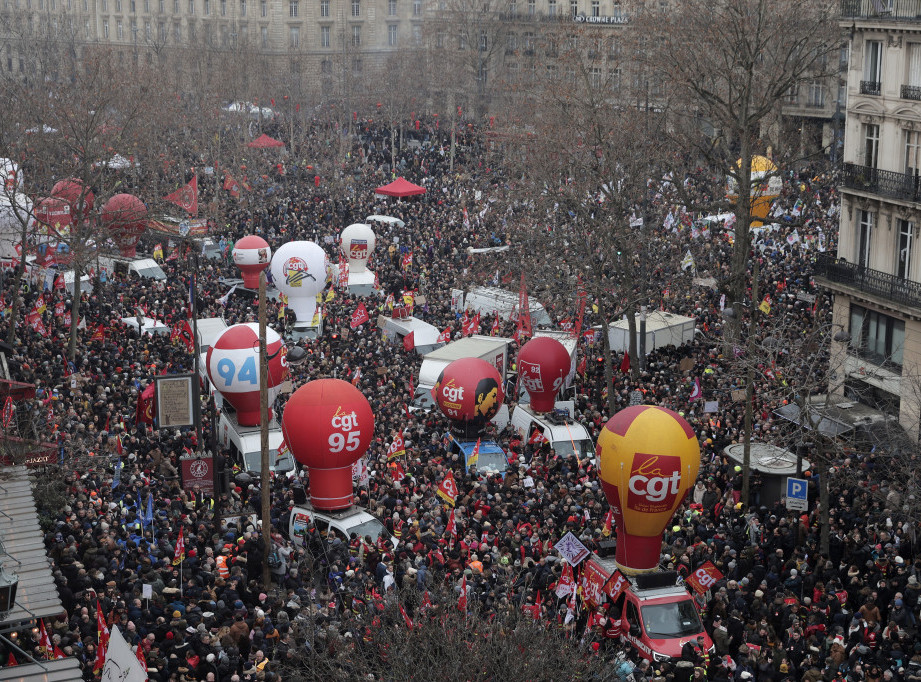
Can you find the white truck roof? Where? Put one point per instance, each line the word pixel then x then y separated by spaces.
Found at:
pixel 209 328
pixel 475 346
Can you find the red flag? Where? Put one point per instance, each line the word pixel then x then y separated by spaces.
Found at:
pixel 608 523
pixel 396 472
pixel 397 447
pixel 186 197
pixel 140 656
pixel 583 365
pixel 7 412
pixel 407 260
pixel 182 332
pixel 406 618
pixel 409 341
pixel 445 336
pixel 179 554
pixel 625 363
pixel 447 489
pixel 567 582
pixel 451 528
pixel 462 599
pixel 144 414
pixel 356 376
pixel 231 185
pixel 495 326
pixel 102 633
pixel 11 660
pixel 359 316
pixel 99 334
pixel 537 437
pixel 119 448
pixel 44 641
pixel 58 653
pixel 524 310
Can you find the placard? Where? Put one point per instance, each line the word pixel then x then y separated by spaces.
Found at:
pixel 197 471
pixel 174 395
pixel 738 395
pixel 711 406
pixel 146 591
pixel 686 364
pixel 572 549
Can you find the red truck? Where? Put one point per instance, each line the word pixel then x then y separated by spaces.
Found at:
pixel 657 615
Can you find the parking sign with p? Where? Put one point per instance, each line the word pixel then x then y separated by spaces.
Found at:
pixel 797 494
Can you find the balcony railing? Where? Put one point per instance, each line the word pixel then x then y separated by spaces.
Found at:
pixel 883 10
pixel 885 183
pixel 911 92
pixel 902 291
pixel 870 88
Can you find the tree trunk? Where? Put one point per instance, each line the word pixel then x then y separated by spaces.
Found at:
pixel 608 363
pixel 74 314
pixel 16 285
pixel 822 467
pixel 633 348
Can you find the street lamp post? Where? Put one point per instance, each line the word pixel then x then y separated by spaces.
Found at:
pixel 295 356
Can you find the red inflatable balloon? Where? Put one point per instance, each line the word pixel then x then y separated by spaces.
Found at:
pixel 233 367
pixel 252 255
pixel 469 390
pixel 54 214
pixel 125 216
pixel 328 425
pixel 72 191
pixel 543 364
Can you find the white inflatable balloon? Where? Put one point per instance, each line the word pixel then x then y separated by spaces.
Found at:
pixel 358 242
pixel 300 270
pixel 11 174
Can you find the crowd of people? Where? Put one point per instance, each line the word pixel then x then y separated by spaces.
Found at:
pixel 783 610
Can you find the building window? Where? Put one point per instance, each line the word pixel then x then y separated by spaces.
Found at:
pixel 105 5
pixel 872 67
pixel 223 8
pixel 148 31
pixel 913 154
pixel 865 220
pixel 574 7
pixel 392 35
pixel 484 41
pixel 356 8
pixel 878 338
pixel 551 7
pixel 913 79
pixel 326 66
pixel 513 8
pixel 870 144
pixel 324 8
pixel 118 5
pixel 596 8
pixel 105 29
pixel 175 6
pixel 119 30
pixel 528 43
pixel 595 77
pixel 293 9
pixel 357 66
pixel 440 39
pixel 356 36
pixel 324 36
pixel 532 8
pixel 417 35
pixel 191 6
pixel 264 8
pixel 906 241
pixel 177 33
pixel 295 37
pixel 417 8
pixel 132 7
pixel 391 8
pixel 816 94
pixel 264 36
pixel 242 8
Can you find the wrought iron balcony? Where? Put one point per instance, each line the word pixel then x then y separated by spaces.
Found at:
pixel 870 88
pixel 884 183
pixel 875 282
pixel 911 92
pixel 882 10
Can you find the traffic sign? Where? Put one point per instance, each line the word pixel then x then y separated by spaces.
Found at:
pixel 797 494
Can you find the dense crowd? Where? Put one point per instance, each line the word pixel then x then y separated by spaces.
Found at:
pixel 783 611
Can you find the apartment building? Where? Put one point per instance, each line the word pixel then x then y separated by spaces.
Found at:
pixel 875 276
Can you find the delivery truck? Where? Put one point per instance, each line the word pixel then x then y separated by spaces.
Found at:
pixel 343 524
pixel 558 428
pixel 492 349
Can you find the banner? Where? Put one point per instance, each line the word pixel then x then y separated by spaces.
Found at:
pixel 197 471
pixel 397 447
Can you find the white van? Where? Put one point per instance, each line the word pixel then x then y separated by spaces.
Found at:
pixel 147 325
pixel 491 300
pixel 565 435
pixel 395 329
pixel 245 445
pixel 345 522
pixel 145 268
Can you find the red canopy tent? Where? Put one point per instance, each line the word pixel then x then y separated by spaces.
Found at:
pixel 265 142
pixel 400 188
